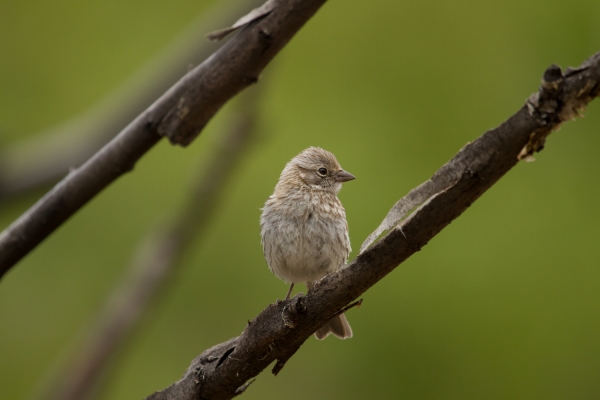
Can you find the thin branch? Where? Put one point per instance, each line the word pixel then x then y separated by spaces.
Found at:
pixel 46 157
pixel 155 262
pixel 180 114
pixel 280 329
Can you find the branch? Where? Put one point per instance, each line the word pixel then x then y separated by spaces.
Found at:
pixel 46 157
pixel 155 262
pixel 225 370
pixel 180 114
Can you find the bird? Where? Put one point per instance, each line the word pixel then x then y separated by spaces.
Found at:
pixel 303 226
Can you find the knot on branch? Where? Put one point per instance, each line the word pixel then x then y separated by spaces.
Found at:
pixel 289 315
pixel 208 359
pixel 545 104
pixel 561 97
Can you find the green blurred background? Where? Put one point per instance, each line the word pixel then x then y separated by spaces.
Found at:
pixel 503 304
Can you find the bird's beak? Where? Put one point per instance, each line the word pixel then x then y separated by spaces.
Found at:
pixel 344 176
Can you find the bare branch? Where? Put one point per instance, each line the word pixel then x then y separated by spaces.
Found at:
pixel 155 262
pixel 46 157
pixel 180 114
pixel 542 105
pixel 278 331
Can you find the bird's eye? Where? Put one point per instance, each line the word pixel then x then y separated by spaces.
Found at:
pixel 322 171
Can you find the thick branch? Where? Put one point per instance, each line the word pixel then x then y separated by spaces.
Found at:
pixel 180 114
pixel 46 157
pixel 221 372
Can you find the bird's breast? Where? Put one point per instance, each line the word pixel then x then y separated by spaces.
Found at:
pixel 304 238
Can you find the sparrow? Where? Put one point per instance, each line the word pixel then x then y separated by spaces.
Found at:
pixel 303 226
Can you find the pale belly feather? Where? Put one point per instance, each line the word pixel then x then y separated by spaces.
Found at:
pixel 302 245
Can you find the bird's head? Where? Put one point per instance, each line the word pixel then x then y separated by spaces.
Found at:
pixel 316 168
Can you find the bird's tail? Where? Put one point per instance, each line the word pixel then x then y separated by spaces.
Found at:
pixel 337 325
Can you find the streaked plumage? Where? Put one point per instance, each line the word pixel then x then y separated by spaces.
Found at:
pixel 303 225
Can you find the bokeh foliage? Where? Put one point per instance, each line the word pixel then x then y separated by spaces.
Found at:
pixel 504 303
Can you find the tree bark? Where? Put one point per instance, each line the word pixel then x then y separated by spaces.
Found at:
pixel 225 370
pixel 43 159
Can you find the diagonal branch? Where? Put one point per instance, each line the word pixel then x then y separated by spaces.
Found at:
pixel 46 158
pixel 223 371
pixel 180 114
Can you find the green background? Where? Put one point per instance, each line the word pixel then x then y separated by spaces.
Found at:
pixel 503 304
